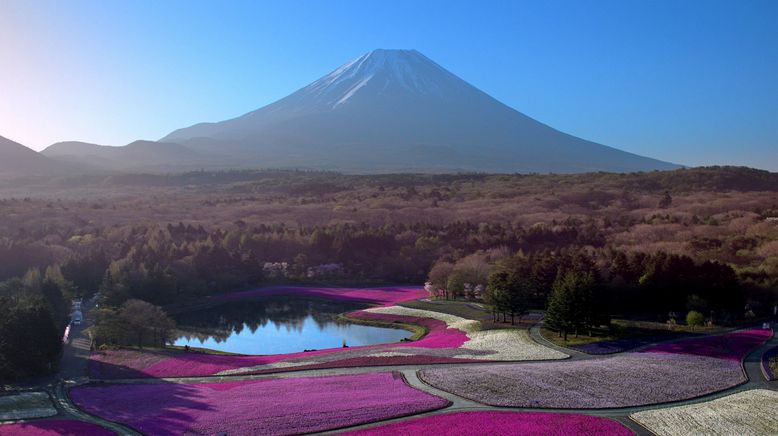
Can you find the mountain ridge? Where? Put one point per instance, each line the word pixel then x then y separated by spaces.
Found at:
pixel 17 159
pixel 137 155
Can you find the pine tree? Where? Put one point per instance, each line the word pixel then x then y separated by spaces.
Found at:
pixel 559 314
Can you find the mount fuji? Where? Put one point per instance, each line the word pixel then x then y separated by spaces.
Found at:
pixel 397 110
pixel 388 111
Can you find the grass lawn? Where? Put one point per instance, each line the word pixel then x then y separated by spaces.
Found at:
pixel 462 309
pixel 621 329
pixel 598 335
pixel 623 334
pixel 418 330
pixel 772 364
pixel 473 310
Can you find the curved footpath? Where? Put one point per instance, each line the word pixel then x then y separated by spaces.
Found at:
pixel 68 410
pixel 74 367
pixel 751 366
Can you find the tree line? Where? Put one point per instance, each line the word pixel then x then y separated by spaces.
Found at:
pixel 580 289
pixel 34 311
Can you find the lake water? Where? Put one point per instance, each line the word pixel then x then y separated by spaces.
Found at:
pixel 277 326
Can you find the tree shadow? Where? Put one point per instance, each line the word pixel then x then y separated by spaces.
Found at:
pixel 148 405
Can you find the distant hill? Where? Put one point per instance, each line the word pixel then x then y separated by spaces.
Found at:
pixel 16 159
pixel 397 110
pixel 138 155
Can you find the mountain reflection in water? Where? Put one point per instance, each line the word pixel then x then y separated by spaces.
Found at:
pixel 278 325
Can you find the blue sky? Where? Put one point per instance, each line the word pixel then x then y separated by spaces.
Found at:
pixel 694 82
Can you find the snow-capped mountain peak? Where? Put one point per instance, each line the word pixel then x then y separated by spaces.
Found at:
pixel 389 72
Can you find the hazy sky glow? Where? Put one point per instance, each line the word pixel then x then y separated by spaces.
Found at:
pixel 693 82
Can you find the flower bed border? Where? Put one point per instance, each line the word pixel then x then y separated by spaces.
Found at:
pixel 526 416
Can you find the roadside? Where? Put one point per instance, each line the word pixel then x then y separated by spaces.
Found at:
pixel 72 371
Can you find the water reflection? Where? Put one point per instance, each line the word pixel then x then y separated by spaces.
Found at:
pixel 278 325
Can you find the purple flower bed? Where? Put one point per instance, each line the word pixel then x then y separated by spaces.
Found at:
pixel 769 354
pixel 272 406
pixel 501 423
pixel 384 296
pixel 628 380
pixel 54 427
pixel 731 346
pixel 669 372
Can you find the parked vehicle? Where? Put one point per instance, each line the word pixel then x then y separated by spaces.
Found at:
pixel 77 317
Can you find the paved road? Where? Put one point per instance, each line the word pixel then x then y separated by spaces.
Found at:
pixel 72 371
pixel 75 356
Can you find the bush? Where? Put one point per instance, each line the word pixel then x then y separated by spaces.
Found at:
pixel 694 318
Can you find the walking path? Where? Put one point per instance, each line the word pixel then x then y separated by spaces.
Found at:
pixel 68 409
pixel 73 372
pixel 751 366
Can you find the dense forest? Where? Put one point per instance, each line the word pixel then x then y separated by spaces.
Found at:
pixel 644 245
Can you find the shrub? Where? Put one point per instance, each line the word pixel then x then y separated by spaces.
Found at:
pixel 694 319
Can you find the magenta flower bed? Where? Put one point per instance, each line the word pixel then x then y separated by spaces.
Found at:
pixel 114 364
pixel 438 334
pixel 372 361
pixel 273 406
pixel 670 372
pixel 54 427
pixel 384 296
pixel 501 423
pixel 731 346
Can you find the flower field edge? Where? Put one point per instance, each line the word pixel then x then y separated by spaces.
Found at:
pixel 500 423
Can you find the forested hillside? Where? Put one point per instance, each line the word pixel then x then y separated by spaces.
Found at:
pixel 654 242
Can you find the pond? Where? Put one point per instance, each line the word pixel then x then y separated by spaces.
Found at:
pixel 278 326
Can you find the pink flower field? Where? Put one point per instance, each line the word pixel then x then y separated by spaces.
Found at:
pixel 54 427
pixel 668 372
pixel 272 406
pixel 501 423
